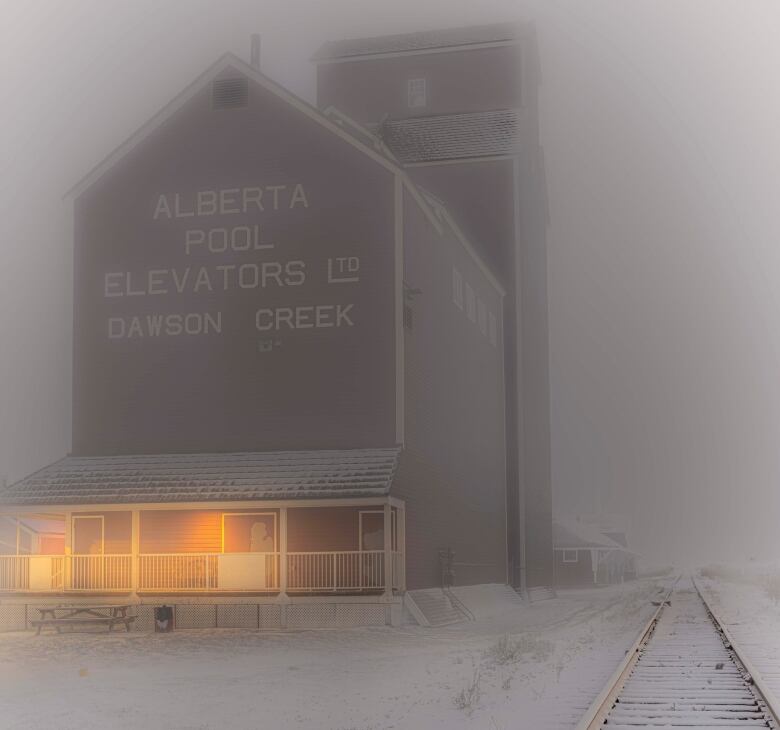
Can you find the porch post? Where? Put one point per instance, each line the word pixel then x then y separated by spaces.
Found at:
pixel 400 541
pixel 66 575
pixel 135 550
pixel 283 552
pixel 388 547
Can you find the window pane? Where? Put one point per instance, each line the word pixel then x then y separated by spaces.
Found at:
pixel 372 535
pixel 250 534
pixel 471 304
pixel 416 92
pixel 457 288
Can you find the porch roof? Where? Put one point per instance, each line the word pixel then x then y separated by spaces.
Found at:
pixel 208 477
pixel 576 535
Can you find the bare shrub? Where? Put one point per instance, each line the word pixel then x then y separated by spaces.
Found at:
pixel 468 697
pixel 508 650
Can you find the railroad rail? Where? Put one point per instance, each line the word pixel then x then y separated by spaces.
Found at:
pixel 683 670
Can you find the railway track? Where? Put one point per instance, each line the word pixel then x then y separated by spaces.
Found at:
pixel 684 670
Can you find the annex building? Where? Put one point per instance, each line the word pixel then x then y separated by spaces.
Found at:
pixel 310 347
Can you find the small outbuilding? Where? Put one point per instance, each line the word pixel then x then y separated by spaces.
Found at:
pixel 585 555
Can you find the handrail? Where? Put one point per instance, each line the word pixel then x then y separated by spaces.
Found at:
pixel 765 694
pixel 336 552
pixel 179 555
pixel 600 707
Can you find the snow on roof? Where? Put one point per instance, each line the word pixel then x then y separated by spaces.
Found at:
pixel 418 41
pixel 452 136
pixel 573 533
pixel 208 477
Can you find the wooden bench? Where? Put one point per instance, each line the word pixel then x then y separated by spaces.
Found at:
pixel 59 616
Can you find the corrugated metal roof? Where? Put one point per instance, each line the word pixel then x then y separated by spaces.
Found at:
pixel 452 136
pixel 418 41
pixel 208 477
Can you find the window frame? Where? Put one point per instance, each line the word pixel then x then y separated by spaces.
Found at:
pixel 471 303
pixel 393 528
pixel 482 321
pixel 492 329
pixel 457 288
pixel 251 514
pixel 417 93
pixel 576 556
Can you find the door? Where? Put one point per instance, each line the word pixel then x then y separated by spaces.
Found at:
pixel 87 565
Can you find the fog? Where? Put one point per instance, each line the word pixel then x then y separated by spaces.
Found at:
pixel 659 123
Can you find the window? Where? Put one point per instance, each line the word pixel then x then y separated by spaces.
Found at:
pixel 482 316
pixel 492 329
pixel 249 532
pixel 570 556
pixel 417 94
pixel 471 304
pixel 371 530
pixel 457 288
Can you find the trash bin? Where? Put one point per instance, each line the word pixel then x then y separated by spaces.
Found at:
pixel 163 618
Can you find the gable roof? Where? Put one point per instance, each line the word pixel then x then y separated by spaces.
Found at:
pixel 574 534
pixel 207 477
pixel 444 38
pixel 452 136
pixel 226 61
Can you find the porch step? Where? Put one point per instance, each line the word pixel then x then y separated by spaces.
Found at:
pixel 436 607
pixel 541 593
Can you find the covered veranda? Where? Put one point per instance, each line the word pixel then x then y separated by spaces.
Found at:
pixel 348 539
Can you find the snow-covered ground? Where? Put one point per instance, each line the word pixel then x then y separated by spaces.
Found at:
pixel 515 666
pixel 747 599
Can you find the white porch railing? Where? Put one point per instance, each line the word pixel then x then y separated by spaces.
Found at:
pixel 47 573
pixel 307 572
pixel 14 572
pixel 209 572
pixel 335 571
pixel 99 572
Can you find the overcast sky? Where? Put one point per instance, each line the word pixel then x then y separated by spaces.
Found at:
pixel 660 126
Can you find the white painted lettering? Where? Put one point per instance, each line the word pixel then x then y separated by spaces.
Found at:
pixel 207 202
pixel 156 283
pixel 295 273
pixel 203 279
pixel 162 208
pixel 248 276
pixel 130 291
pixel 218 240
pixel 116 328
pixel 113 284
pixel 254 196
pixel 181 213
pixel 193 237
pixel 298 197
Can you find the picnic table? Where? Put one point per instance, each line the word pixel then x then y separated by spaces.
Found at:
pixel 59 616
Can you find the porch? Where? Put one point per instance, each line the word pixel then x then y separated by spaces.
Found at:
pixel 342 547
